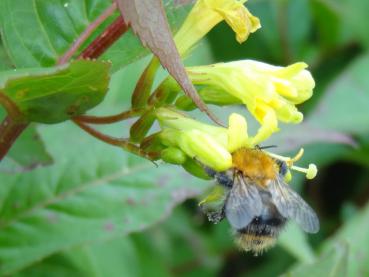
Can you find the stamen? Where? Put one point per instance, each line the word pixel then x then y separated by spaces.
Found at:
pixel 289 161
pixel 278 157
pixel 310 172
pixel 288 177
pixel 298 156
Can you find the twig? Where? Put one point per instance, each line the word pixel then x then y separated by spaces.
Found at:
pixel 9 106
pixel 109 119
pixel 11 126
pixel 9 132
pixel 86 34
pixel 111 34
pixel 123 143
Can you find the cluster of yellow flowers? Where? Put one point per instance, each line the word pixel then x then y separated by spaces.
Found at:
pixel 269 93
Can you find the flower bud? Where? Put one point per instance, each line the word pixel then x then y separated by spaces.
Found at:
pixel 173 155
pixel 205 14
pixel 140 128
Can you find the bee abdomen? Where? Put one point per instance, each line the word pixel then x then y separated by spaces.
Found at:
pixel 256 244
pixel 264 227
pixel 260 234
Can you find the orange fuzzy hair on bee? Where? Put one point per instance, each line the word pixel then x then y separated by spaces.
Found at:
pixel 255 164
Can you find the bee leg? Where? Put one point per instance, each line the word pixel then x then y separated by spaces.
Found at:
pixel 282 167
pixel 217 216
pixel 223 178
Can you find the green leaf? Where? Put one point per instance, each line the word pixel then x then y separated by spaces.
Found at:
pixel 27 153
pixel 5 63
pixel 37 33
pixel 344 254
pixel 112 258
pixel 354 233
pixel 353 14
pixel 53 95
pixel 344 106
pixel 93 192
pixel 328 23
pixel 333 264
pixel 162 250
pixel 294 240
pixel 284 37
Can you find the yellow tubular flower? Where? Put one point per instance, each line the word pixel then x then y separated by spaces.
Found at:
pixel 213 146
pixel 200 141
pixel 207 13
pixel 269 92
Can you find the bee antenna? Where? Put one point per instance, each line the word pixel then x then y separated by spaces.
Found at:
pixel 265 147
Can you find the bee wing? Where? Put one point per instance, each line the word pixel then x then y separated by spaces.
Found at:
pixel 243 203
pixel 292 206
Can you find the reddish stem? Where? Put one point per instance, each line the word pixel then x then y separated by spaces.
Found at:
pixel 9 132
pixel 87 33
pixel 111 34
pixel 11 126
pixel 123 143
pixel 109 119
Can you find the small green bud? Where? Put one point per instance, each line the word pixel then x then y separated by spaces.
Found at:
pixel 165 93
pixel 141 127
pixel 173 155
pixel 185 103
pixel 195 169
pixel 142 90
pixel 152 143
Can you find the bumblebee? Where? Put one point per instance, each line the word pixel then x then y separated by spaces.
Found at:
pixel 257 201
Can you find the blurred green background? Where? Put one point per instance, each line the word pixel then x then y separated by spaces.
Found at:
pixel 145 230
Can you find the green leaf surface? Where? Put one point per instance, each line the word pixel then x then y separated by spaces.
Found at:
pixel 283 38
pixel 332 264
pixel 27 153
pixel 328 24
pixel 354 233
pixel 354 15
pixel 92 192
pixel 111 258
pixel 53 95
pixel 38 32
pixel 294 240
pixel 162 250
pixel 344 106
pixel 5 62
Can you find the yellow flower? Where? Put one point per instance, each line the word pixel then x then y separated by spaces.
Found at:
pixel 206 143
pixel 269 92
pixel 207 13
pixel 211 145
